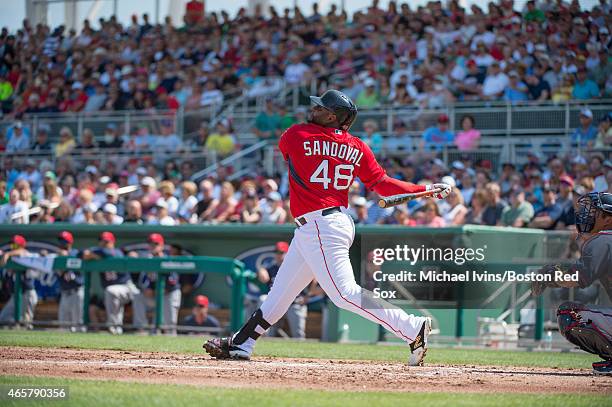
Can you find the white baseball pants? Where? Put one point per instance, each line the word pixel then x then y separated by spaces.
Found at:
pixel 320 250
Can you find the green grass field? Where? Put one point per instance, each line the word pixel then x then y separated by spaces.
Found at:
pixel 112 393
pixel 107 393
pixel 292 349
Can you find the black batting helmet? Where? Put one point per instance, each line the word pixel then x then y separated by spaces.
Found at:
pixel 340 105
pixel 588 205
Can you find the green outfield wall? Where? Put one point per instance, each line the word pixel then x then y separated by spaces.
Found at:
pixel 520 249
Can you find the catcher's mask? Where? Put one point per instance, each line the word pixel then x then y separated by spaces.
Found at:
pixel 588 205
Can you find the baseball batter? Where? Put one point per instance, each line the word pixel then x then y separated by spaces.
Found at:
pixel 323 160
pixel 585 325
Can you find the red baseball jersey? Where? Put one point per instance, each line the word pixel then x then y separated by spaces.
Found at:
pixel 323 162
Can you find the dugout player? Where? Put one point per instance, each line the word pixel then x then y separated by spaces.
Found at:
pixel 146 298
pixel 118 287
pixel 29 298
pixel 298 310
pixel 323 159
pixel 72 293
pixel 588 326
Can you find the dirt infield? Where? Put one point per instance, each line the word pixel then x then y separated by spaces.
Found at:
pixel 293 373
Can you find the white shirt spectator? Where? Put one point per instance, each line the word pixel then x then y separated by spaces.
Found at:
pixel 186 206
pixel 295 73
pixel 494 84
pixel 483 60
pixel 398 73
pixel 8 213
pixel 165 221
pixel 212 98
pixel 487 37
pixel 40 193
pixel 173 205
pixel 18 143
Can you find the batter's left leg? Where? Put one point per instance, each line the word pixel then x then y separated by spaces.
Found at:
pixel 292 277
pixel 327 243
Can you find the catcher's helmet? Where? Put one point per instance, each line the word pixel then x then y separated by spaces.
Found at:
pixel 339 104
pixel 588 205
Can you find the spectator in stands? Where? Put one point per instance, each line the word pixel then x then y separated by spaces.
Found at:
pixel 360 210
pixel 369 97
pixel 495 83
pixel 187 202
pixel 212 97
pixel 477 208
pixel 547 217
pixel 273 212
pixel 201 137
pixel 584 88
pixel 220 209
pixel 372 137
pixel 516 91
pixel 66 143
pixel 430 215
pixel 159 214
pixel 199 315
pixel 563 92
pixel 468 138
pixel 15 210
pixel 42 143
pixel 118 286
pixel 133 212
pixel 400 141
pixel 603 139
pixel 3 193
pixel 109 215
pixel 29 298
pixel 148 195
pixel 49 190
pixel 439 136
pixel 296 72
pixel 495 206
pixel 222 142
pixel 166 190
pixel 539 89
pixel 457 211
pixel 250 212
pixel 267 121
pixel 31 174
pixel 112 139
pixel 18 140
pixel 205 199
pixel 585 135
pixel 520 212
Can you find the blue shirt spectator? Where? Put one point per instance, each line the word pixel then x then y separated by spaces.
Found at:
pixel 516 90
pixel 436 137
pixel 584 88
pixel 586 134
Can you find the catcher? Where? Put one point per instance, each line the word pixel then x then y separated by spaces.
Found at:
pixel 588 326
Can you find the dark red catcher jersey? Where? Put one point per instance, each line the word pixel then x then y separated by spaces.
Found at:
pixel 323 162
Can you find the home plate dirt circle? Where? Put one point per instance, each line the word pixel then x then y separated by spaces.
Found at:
pixel 265 372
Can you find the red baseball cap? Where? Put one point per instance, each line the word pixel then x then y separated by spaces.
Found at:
pixel 443 118
pixel 66 237
pixel 156 238
pixel 282 247
pixel 107 237
pixel 566 179
pixel 201 300
pixel 19 240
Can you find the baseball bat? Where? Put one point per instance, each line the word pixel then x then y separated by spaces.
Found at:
pixel 393 200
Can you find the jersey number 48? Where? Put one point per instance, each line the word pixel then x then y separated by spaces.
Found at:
pixel 343 175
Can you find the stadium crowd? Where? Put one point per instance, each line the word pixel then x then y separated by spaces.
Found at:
pixel 429 56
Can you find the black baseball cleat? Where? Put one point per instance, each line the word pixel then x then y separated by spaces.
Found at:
pixel 418 347
pixel 603 368
pixel 223 348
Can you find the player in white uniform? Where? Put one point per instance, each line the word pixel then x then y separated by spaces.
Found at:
pixel 323 159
